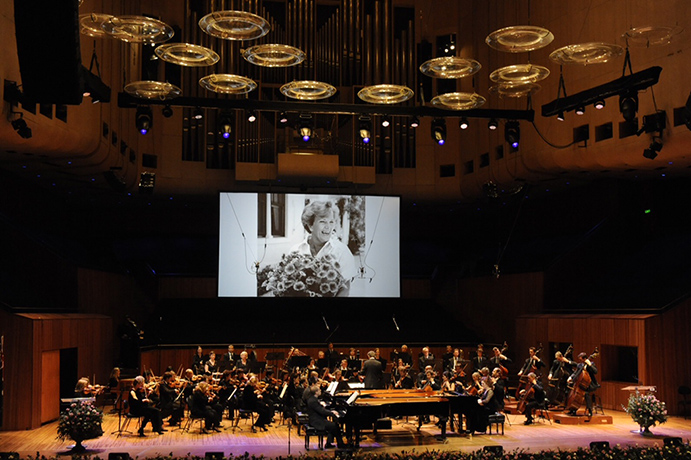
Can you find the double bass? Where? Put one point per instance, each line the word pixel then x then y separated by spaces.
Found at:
pixel 557 379
pixel 581 383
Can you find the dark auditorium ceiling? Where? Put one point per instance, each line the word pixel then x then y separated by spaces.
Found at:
pixel 76 180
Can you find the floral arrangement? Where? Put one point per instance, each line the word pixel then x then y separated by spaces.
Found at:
pixel 80 421
pixel 646 410
pixel 667 452
pixel 301 275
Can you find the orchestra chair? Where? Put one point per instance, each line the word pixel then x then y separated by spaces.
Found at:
pixel 496 450
pixel 672 441
pixel 497 419
pixel 192 418
pixel 119 456
pixel 542 413
pixel 599 445
pixel 128 418
pixel 597 405
pixel 684 391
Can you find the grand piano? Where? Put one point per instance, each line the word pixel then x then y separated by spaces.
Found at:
pixel 371 406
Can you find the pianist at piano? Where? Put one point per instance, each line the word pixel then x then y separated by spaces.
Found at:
pixel 318 418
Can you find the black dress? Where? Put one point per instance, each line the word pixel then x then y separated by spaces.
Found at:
pixel 141 408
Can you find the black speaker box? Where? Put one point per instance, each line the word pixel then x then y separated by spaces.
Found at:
pixel 50 62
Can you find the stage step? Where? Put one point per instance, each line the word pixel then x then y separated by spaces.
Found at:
pixel 596 419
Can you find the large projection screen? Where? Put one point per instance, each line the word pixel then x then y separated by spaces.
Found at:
pixel 266 248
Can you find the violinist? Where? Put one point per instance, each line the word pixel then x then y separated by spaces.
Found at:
pixel 253 399
pixel 169 402
pixel 533 395
pixel 202 405
pixel 404 382
pixel 228 392
pixel 458 375
pixel 447 385
pixel 584 364
pixel 141 405
pixel 83 389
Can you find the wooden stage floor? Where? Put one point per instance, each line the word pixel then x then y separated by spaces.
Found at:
pixel 282 441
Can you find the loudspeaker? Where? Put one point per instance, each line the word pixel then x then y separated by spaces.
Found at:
pixel 50 61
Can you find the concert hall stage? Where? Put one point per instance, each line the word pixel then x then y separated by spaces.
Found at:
pixel 282 440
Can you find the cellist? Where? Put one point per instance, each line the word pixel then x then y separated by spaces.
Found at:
pixel 584 364
pixel 531 397
pixel 532 364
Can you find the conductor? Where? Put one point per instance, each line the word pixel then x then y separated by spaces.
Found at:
pixel 372 368
pixel 318 418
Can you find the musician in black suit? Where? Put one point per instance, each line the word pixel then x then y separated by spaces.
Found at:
pixel 354 362
pixel 455 360
pixel 322 361
pixel 584 364
pixel 318 418
pixel 535 397
pixel 499 388
pixel 372 369
pixel 446 357
pixel 480 360
pixel 169 402
pixel 333 356
pixel 229 359
pixel 405 355
pixel 426 358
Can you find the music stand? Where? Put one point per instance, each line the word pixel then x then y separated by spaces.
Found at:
pixel 299 361
pixel 120 429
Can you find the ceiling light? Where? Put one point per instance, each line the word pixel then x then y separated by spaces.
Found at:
pixel 628 105
pixel 560 117
pixel 304 127
pixel 414 122
pixel 365 128
pixel 225 126
pixel 600 104
pixel 283 118
pixel 22 128
pixel 198 113
pixel 439 130
pixel 492 124
pixel 463 124
pixel 144 120
pixel 649 154
pixel 512 133
pixel 385 122
pixel 167 111
pixel 580 110
pixel 251 117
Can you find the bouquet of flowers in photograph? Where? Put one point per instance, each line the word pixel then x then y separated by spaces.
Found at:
pixel 646 410
pixel 301 275
pixel 80 421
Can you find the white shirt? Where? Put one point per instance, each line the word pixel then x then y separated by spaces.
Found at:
pixel 337 250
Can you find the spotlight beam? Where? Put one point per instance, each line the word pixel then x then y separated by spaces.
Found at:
pixel 128 101
pixel 634 82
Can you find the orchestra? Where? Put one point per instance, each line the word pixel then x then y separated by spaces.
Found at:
pixel 210 388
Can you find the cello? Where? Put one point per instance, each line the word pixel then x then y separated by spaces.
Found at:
pixel 581 383
pixel 528 367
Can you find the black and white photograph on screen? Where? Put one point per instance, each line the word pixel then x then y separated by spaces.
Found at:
pixel 303 245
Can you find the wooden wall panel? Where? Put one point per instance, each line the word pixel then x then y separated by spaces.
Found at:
pixel 50 388
pixel 28 336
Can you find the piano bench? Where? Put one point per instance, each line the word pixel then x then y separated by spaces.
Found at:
pixel 312 431
pixel 497 419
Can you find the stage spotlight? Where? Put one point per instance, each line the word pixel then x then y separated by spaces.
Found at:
pixel 414 122
pixel 283 118
pixel 512 133
pixel 144 120
pixel 385 122
pixel 600 104
pixel 365 127
pixel 198 113
pixel 463 124
pixel 560 117
pixel 305 127
pixel 439 130
pixel 225 125
pixel 628 105
pixel 22 128
pixel 652 151
pixel 167 111
pixel 251 117
pixel 580 110
pixel 492 124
